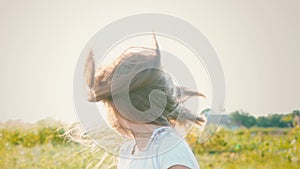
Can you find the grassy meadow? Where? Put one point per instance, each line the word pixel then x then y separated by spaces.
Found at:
pixel 43 146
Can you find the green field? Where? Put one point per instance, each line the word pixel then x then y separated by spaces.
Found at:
pixel 258 148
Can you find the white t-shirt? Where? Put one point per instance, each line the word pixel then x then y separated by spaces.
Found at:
pixel 165 149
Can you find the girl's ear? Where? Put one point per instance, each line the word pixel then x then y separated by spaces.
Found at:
pixel 89 70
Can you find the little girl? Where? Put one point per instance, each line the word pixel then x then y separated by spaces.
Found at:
pixel 144 103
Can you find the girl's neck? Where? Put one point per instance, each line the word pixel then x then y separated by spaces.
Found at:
pixel 142 134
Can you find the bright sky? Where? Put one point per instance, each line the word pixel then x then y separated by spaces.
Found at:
pixel 257 43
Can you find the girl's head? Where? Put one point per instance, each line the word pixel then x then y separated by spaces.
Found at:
pixel 138 72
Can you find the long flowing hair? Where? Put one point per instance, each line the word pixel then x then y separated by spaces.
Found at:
pixel 100 83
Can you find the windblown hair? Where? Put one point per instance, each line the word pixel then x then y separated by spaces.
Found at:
pixel 131 60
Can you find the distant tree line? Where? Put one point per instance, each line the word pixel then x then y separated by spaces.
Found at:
pixel 241 118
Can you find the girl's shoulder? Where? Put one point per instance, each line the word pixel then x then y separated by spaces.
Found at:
pixel 127 147
pixel 169 140
pixel 173 150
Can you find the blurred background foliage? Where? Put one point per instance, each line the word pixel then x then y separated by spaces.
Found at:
pixel 271 141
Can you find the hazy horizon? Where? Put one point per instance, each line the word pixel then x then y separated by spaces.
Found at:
pixel 76 120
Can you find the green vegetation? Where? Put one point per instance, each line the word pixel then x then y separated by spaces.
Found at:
pixel 249 148
pixel 39 146
pixel 43 146
pixel 241 118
